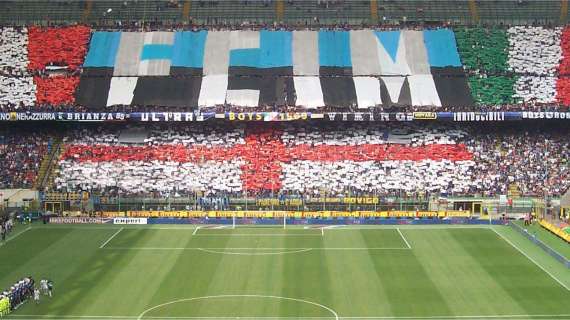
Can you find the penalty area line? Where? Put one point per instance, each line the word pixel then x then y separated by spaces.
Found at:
pixel 404 238
pixel 195 230
pixel 531 259
pixel 110 238
pixel 256 248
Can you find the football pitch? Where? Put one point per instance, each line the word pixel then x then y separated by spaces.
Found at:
pixel 208 272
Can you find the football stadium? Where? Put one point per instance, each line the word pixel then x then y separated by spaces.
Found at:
pixel 284 159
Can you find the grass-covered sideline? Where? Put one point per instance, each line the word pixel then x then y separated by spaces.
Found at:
pixel 548 238
pixel 143 272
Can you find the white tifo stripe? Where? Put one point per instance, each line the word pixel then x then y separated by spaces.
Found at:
pixel 144 177
pixel 535 51
pixel 14 48
pixel 380 176
pixel 121 90
pixel 18 90
pixel 14 54
pixel 542 89
pixel 358 135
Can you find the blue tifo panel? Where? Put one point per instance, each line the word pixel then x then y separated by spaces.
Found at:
pixel 390 40
pixel 334 49
pixel 244 58
pixel 274 51
pixel 156 52
pixel 188 49
pixel 103 49
pixel 441 48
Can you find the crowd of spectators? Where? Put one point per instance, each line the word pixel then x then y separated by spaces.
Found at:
pixel 341 159
pixel 21 153
pixel 509 69
pixel 368 158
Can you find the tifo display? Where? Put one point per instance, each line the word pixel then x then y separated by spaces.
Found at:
pixel 271 159
pixel 443 68
pixel 310 160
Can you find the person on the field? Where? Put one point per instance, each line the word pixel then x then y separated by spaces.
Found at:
pixel 44 286
pixel 4 305
pixel 50 288
pixel 37 295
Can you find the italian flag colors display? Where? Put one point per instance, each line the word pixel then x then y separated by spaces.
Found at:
pixel 516 65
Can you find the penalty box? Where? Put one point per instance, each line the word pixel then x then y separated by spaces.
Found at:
pixel 251 239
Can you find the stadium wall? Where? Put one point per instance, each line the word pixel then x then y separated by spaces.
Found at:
pixel 542 245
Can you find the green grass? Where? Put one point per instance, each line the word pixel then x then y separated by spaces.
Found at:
pixel 548 238
pixel 266 272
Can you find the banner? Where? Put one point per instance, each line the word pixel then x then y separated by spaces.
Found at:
pixel 139 217
pixel 556 230
pixel 197 116
pixel 479 116
pixel 170 116
pixel 546 115
pixel 425 115
pixel 63 116
pixel 266 202
pixel 345 200
pixel 129 221
pixel 368 116
pixel 265 116
pixel 77 220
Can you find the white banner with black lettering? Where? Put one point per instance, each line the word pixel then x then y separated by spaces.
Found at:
pixel 129 221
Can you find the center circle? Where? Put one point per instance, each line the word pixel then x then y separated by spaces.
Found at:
pixel 329 310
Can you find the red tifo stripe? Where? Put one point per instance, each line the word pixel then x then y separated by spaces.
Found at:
pixel 264 153
pixel 254 152
pixel 563 81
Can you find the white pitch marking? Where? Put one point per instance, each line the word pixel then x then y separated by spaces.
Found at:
pixel 111 238
pixel 196 230
pixel 332 227
pixel 531 259
pixel 404 238
pixel 509 316
pixel 228 251
pixel 16 235
pixel 332 312
pixel 256 248
pixel 506 316
pixel 258 235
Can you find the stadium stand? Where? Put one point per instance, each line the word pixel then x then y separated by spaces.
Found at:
pixel 21 152
pixel 515 68
pixel 307 159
